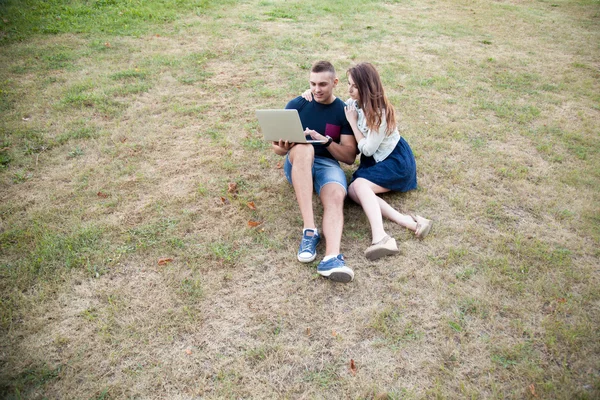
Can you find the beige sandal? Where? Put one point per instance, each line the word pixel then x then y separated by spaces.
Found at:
pixel 423 226
pixel 385 247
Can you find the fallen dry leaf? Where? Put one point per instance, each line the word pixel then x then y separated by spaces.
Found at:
pixel 561 300
pixel 232 187
pixel 308 331
pixel 107 44
pixel 103 195
pixel 251 205
pixel 188 351
pixel 224 200
pixel 164 261
pixel 532 390
pixel 254 224
pixel 333 333
pixel 352 367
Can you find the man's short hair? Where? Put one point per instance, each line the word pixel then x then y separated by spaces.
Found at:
pixel 323 66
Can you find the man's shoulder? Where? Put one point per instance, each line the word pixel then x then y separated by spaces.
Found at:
pixel 296 103
pixel 339 102
pixel 338 105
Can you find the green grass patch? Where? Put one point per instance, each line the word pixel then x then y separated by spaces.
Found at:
pixel 224 252
pixel 129 74
pixel 255 143
pixel 26 382
pixel 190 289
pixel 27 141
pixel 508 110
pixel 22 19
pixel 80 131
pixel 393 328
pixel 51 251
pixel 155 234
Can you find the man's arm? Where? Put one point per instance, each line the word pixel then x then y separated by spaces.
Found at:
pixel 345 151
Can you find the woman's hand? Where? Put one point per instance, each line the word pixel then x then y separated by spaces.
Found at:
pixel 351 114
pixel 307 95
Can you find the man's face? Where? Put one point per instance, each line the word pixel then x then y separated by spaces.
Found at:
pixel 322 85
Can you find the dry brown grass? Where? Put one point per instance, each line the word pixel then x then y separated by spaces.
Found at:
pixel 499 101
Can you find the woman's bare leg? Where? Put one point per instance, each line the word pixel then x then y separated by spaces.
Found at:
pixel 359 192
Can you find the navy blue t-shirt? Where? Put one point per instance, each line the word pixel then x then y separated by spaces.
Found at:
pixel 327 119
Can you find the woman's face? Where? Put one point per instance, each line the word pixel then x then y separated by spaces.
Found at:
pixel 352 89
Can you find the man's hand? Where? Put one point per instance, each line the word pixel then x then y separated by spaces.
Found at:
pixel 315 135
pixel 282 147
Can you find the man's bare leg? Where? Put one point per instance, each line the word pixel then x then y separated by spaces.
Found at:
pixel 302 157
pixel 333 265
pixel 332 197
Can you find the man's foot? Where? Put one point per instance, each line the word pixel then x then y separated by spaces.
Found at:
pixel 308 247
pixel 385 247
pixel 335 269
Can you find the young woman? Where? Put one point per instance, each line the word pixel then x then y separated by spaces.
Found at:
pixel 386 162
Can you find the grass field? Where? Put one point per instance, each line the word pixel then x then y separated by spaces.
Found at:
pixel 130 266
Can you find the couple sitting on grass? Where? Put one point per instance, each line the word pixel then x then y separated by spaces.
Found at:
pixel 367 121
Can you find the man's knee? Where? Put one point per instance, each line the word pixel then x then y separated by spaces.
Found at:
pixel 302 152
pixel 333 194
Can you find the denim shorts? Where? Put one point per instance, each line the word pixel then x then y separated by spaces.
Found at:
pixel 324 171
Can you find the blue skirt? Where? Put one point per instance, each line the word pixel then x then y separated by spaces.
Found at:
pixel 398 172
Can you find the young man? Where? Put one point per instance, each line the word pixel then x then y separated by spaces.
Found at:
pixel 317 165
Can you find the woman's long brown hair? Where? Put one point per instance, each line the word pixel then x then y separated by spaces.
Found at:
pixel 372 97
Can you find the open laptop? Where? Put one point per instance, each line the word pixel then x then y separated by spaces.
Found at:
pixel 284 125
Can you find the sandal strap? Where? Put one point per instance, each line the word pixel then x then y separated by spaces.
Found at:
pixel 382 241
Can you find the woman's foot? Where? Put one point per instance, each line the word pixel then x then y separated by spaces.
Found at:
pixel 385 247
pixel 423 226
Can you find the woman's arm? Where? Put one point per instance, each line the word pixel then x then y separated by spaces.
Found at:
pixel 352 117
pixel 369 144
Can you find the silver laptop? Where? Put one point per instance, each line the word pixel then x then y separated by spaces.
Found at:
pixel 283 125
